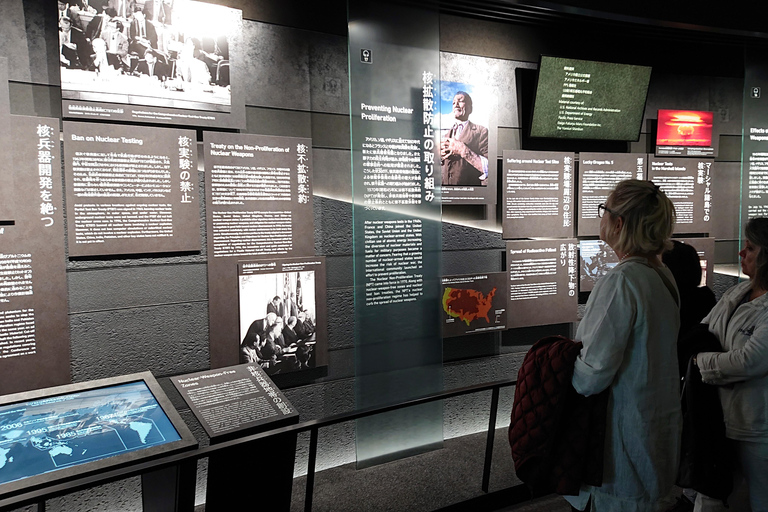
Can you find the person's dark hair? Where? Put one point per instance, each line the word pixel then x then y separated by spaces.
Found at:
pixel 684 263
pixel 110 11
pixel 756 232
pixel 276 298
pixel 467 97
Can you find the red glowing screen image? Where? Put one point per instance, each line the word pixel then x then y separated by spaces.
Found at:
pixel 684 128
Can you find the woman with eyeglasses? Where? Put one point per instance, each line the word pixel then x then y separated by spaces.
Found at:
pixel 629 336
pixel 740 322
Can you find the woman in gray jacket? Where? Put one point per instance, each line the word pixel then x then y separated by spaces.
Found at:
pixel 740 322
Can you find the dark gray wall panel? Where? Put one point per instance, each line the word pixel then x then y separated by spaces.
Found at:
pixel 35 100
pixel 339 271
pixel 726 100
pixel 333 227
pixel 472 261
pixel 95 290
pixel 466 414
pixel 27 36
pixel 328 73
pixel 165 340
pixel 509 138
pixel 341 318
pixel 730 149
pixel 341 364
pixel 269 121
pixel 726 183
pixel 332 176
pixel 497 74
pixel 457 237
pixel 276 67
pixel 330 131
pixel 676 91
pixel 496 40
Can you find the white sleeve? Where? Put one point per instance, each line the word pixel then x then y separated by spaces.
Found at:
pixel 604 331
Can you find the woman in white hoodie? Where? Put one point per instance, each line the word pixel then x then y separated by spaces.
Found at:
pixel 740 322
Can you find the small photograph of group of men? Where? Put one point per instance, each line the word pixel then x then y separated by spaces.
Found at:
pixel 277 321
pixel 172 53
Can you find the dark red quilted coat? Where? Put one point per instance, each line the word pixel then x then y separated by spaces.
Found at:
pixel 556 435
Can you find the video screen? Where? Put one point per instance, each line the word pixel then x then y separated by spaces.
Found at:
pixel 596 258
pixel 684 128
pixel 57 432
pixel 581 99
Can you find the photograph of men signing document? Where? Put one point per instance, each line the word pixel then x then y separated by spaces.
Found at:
pixel 277 321
pixel 464 142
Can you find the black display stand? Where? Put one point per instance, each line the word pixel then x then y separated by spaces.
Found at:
pixel 255 475
pixel 169 489
pixel 232 403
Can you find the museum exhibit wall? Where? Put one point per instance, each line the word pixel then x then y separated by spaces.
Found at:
pixel 151 312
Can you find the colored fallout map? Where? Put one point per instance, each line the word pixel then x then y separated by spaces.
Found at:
pixel 56 432
pixel 467 305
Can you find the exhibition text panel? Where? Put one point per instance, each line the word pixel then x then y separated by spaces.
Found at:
pixel 598 175
pixel 34 325
pixel 542 282
pixel 687 182
pixel 130 189
pixel 538 194
pixel 258 205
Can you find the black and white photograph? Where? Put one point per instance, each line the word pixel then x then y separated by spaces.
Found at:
pixel 160 53
pixel 278 317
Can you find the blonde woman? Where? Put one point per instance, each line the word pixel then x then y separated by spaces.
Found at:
pixel 629 332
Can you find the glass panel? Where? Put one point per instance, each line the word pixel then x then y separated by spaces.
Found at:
pixel 394 76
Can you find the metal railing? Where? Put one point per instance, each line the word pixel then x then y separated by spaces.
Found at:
pixel 44 492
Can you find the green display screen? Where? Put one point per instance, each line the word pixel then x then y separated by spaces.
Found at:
pixel 581 99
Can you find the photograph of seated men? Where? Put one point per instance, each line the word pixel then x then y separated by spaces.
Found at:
pixel 282 337
pixel 464 148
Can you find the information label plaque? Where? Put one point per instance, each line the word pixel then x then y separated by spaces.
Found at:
pixel 687 182
pixel 34 325
pixel 538 194
pixel 542 282
pixel 598 175
pixel 232 399
pixel 474 303
pixel 130 189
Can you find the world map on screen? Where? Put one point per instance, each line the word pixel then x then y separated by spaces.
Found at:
pixel 45 435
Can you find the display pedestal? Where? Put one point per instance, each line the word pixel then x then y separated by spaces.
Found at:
pixel 233 403
pixel 169 489
pixel 258 475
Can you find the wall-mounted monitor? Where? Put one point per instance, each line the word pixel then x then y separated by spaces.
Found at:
pixel 65 432
pixel 684 133
pixel 582 99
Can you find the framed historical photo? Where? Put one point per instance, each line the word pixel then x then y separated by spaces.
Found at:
pixel 153 61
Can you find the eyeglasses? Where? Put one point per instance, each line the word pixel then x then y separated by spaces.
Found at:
pixel 601 207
